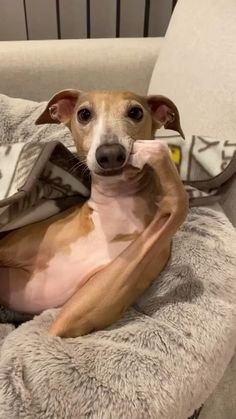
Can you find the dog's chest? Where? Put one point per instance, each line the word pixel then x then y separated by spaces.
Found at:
pixel 112 228
pixel 54 279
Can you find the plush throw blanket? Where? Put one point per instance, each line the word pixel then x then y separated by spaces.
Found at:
pixel 165 355
pixel 161 360
pixel 38 180
pixel 204 164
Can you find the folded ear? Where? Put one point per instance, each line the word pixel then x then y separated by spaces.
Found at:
pixel 59 108
pixel 164 113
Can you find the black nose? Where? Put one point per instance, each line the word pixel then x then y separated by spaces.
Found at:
pixel 111 156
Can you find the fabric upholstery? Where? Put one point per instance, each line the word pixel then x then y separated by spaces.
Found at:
pixel 196 67
pixel 37 69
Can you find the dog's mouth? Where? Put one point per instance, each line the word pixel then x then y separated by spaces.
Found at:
pixel 110 172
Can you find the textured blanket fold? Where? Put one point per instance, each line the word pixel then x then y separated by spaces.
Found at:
pixel 41 180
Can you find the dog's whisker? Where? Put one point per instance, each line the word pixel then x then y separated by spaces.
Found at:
pixel 86 172
pixel 77 166
pixel 74 169
pixel 74 157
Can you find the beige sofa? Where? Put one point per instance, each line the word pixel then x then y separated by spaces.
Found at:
pixel 35 70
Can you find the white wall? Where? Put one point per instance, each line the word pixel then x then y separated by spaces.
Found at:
pixel 42 22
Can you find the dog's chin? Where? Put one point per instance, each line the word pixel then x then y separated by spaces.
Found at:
pixel 108 173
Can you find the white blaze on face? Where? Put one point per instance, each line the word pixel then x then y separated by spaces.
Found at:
pixel 97 134
pixel 106 123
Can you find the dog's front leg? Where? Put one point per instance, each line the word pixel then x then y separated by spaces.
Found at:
pixel 109 292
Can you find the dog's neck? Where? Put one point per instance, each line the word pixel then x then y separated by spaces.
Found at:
pixel 123 204
pixel 128 184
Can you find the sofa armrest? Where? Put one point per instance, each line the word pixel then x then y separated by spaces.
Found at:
pixel 37 69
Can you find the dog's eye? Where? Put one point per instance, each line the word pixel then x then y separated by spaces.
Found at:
pixel 84 115
pixel 135 113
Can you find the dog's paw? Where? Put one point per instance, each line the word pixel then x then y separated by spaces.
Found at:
pixel 148 152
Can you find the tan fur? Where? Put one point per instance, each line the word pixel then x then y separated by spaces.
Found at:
pixel 110 289
pixel 115 105
pixel 126 237
pixel 33 246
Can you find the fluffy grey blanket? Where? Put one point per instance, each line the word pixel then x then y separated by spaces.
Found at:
pixel 160 361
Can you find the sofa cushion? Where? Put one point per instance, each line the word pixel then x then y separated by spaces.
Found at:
pixel 196 67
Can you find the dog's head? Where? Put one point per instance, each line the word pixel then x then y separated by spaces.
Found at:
pixel 104 124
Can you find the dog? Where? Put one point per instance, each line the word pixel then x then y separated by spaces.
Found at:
pixel 94 260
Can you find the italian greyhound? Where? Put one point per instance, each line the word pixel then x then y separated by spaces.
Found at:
pixel 94 260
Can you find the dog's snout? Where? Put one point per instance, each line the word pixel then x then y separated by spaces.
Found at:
pixel 111 156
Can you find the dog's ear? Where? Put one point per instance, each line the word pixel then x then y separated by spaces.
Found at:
pixel 59 108
pixel 164 113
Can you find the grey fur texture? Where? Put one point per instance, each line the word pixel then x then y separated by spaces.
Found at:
pixel 160 361
pixel 18 118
